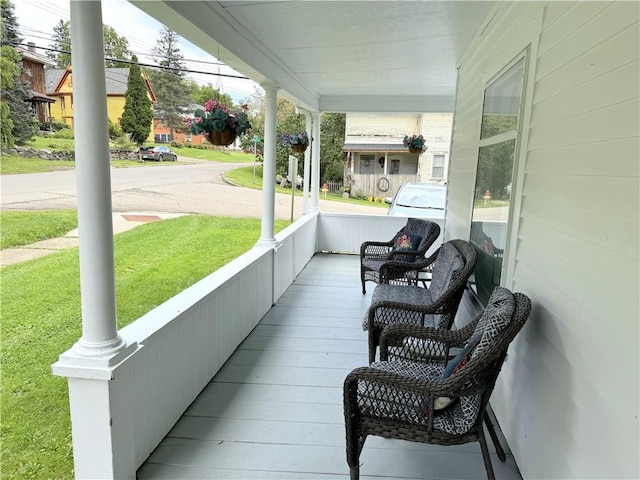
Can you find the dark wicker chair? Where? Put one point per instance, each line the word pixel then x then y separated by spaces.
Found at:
pixel 450 266
pixel 394 398
pixel 374 254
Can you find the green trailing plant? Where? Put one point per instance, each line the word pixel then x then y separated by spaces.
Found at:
pixel 218 117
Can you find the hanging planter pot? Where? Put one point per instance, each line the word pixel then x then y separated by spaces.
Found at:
pixel 299 147
pixel 415 150
pixel 223 138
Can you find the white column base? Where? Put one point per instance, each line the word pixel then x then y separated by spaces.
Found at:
pixel 102 423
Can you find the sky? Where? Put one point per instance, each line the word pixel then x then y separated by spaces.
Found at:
pixel 37 18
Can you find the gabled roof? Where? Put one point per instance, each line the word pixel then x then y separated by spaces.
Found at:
pixel 116 80
pixel 33 56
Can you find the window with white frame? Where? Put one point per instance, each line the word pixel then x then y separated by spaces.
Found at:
pixel 437 167
pixel 499 137
pixel 366 164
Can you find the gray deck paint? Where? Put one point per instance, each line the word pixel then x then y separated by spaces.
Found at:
pixel 274 411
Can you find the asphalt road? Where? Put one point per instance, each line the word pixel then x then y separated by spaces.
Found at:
pixel 187 186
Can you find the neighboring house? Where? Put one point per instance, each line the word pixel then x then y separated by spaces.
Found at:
pixel 163 132
pixel 34 73
pixel 377 161
pixel 59 84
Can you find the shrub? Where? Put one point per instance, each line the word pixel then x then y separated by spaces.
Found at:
pixel 176 144
pixel 64 133
pixel 187 144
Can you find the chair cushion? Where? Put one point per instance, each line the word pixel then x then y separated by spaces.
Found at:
pixel 495 318
pixel 403 294
pixel 446 269
pixel 406 242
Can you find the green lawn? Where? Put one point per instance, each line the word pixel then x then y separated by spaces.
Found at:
pixel 22 228
pixel 244 176
pixel 41 318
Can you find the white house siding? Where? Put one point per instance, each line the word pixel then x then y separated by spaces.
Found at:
pixel 567 397
pixel 368 129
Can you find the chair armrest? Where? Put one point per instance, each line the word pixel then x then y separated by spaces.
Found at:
pixel 393 269
pixel 406 396
pixel 434 344
pixel 375 249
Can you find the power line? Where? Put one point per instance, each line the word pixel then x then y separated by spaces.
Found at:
pixel 160 67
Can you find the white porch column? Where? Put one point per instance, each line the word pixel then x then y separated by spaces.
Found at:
pixel 269 167
pixel 306 173
pixel 93 180
pixel 101 413
pixel 315 162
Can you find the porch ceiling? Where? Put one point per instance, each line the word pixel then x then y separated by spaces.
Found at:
pixel 348 56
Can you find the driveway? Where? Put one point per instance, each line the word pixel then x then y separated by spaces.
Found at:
pixel 189 186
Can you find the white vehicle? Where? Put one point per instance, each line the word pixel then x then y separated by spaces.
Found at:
pixel 419 200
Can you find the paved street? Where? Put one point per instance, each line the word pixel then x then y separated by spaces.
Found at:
pixel 190 186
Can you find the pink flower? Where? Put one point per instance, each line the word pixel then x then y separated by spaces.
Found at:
pixel 198 120
pixel 210 105
pixel 245 107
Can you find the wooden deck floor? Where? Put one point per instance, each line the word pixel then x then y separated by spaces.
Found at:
pixel 274 411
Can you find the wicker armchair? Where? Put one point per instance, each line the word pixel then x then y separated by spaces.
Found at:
pixel 450 266
pixel 416 401
pixel 374 254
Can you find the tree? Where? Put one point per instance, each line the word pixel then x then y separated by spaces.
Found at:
pixel 137 116
pixel 201 93
pixel 10 30
pixel 61 45
pixel 115 46
pixel 169 86
pixel 17 118
pixel 332 130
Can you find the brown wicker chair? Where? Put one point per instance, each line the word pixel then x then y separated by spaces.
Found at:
pixel 450 266
pixel 374 254
pixel 394 398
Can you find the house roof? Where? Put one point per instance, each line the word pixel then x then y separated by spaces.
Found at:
pixel 33 55
pixel 338 56
pixel 116 80
pixel 373 147
pixel 41 97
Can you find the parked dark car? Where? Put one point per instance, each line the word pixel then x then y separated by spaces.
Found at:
pixel 416 199
pixel 158 153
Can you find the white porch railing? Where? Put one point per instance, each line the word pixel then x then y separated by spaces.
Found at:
pixel 183 343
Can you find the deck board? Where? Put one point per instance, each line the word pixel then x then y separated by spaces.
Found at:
pixel 274 411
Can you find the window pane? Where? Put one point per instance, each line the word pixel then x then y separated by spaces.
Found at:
pixel 491 213
pixel 502 102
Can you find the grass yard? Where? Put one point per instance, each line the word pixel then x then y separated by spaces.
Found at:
pixel 214 154
pixel 15 164
pixel 21 228
pixel 41 318
pixel 244 176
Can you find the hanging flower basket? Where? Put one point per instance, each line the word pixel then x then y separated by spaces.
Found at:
pixel 299 147
pixel 415 144
pixel 218 123
pixel 223 138
pixel 298 142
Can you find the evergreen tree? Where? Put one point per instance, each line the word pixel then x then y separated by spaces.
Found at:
pixel 61 45
pixel 169 86
pixel 10 29
pixel 137 116
pixel 17 118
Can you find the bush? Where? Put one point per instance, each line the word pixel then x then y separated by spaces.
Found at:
pixel 176 144
pixel 187 145
pixel 114 130
pixel 200 147
pixel 64 133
